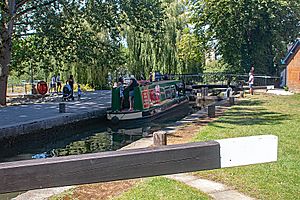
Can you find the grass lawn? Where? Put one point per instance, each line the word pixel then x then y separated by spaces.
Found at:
pixel 263 114
pixel 162 189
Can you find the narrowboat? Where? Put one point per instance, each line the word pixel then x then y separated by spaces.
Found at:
pixel 151 101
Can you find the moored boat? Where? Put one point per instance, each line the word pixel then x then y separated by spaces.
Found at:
pixel 151 100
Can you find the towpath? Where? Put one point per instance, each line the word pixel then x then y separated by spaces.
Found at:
pixel 22 119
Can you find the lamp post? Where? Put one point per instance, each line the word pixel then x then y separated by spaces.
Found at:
pixel 31 74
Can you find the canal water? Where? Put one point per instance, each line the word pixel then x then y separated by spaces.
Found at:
pixel 94 137
pixel 84 137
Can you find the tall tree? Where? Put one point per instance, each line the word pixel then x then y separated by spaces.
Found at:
pixel 12 13
pixel 248 32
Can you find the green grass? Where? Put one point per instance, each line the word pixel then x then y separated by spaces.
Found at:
pixel 276 115
pixel 162 189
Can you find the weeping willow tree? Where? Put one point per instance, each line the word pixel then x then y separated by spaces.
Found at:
pixel 157 50
pixel 142 40
pixel 172 48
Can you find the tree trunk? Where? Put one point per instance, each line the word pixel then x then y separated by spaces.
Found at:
pixel 3 89
pixel 5 49
pixel 5 56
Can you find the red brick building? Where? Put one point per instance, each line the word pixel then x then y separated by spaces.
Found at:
pixel 292 62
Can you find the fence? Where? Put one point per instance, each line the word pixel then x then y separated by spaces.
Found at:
pixel 226 79
pixel 136 163
pixel 22 89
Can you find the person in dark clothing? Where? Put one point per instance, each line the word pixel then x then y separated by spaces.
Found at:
pixel 150 77
pixel 67 92
pixel 121 86
pixel 58 82
pixel 71 83
pixel 133 83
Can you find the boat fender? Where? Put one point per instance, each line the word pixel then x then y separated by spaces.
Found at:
pixel 115 120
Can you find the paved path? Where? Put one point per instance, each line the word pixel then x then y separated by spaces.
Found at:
pixel 280 92
pixel 22 119
pixel 215 190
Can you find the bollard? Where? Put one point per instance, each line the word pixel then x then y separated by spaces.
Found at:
pixel 211 111
pixel 62 107
pixel 206 91
pixel 198 100
pixel 160 138
pixel 231 101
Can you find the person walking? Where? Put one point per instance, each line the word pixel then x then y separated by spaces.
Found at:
pixel 53 84
pixel 71 83
pixel 58 82
pixel 251 81
pixel 79 93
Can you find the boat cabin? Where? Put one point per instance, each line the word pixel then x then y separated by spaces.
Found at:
pixel 146 95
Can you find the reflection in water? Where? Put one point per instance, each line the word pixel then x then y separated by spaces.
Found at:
pixel 99 142
pixel 95 143
pixel 77 142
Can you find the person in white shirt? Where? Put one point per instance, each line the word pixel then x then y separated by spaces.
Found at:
pixel 53 84
pixel 251 81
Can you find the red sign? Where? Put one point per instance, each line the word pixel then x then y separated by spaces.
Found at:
pixel 42 87
pixel 154 96
pixel 145 96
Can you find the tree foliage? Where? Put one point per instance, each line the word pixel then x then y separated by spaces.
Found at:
pixel 248 32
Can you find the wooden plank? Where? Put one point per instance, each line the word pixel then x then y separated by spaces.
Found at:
pixel 108 166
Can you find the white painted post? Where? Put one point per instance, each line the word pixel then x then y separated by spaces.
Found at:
pixel 248 150
pixel 198 100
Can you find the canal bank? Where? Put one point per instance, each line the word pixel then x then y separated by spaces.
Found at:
pixel 25 119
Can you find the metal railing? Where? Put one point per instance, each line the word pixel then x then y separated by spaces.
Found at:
pixel 226 79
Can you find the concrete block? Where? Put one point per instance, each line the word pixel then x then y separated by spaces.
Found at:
pixel 230 195
pixel 207 186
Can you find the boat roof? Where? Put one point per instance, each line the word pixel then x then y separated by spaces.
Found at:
pixel 292 52
pixel 164 83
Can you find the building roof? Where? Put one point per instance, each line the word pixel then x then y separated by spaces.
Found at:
pixel 292 52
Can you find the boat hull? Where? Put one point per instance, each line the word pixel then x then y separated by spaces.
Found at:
pixel 147 116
